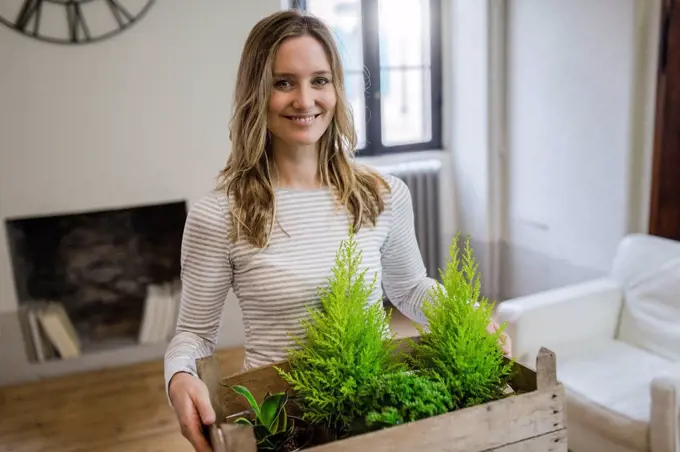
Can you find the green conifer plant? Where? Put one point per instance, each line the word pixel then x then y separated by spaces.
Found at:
pixel 405 396
pixel 455 345
pixel 345 347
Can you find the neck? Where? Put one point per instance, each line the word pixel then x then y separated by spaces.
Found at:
pixel 296 167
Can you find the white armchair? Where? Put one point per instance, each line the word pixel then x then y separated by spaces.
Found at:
pixel 617 341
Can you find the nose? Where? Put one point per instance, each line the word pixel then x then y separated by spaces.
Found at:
pixel 304 98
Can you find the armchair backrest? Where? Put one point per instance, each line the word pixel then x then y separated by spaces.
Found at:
pixel 648 269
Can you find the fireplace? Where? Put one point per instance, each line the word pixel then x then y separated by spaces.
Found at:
pixel 110 277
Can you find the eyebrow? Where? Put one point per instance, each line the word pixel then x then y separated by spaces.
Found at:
pixel 286 74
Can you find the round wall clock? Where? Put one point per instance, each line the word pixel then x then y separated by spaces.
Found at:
pixel 72 21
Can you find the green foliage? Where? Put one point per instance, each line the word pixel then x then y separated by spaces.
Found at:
pixel 345 346
pixel 344 370
pixel 401 397
pixel 456 346
pixel 271 424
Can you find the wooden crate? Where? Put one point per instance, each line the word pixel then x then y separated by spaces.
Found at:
pixel 532 419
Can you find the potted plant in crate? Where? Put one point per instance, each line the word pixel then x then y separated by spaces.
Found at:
pixel 347 375
pixel 357 386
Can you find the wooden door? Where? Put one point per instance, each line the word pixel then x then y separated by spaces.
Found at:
pixel 665 196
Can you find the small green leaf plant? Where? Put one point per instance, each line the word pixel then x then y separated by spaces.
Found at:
pixel 455 345
pixel 401 397
pixel 345 347
pixel 271 425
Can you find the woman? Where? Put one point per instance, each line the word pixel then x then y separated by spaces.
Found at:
pixel 287 198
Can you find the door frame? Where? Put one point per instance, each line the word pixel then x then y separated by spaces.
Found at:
pixel 664 203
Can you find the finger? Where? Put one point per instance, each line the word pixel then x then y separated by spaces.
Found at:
pixel 202 403
pixel 192 429
pixel 502 341
pixel 507 345
pixel 190 423
pixel 197 440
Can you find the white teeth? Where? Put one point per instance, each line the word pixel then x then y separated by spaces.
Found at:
pixel 303 119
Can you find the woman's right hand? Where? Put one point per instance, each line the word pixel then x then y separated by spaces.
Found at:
pixel 191 401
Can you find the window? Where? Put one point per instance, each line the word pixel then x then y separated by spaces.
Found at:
pixel 391 52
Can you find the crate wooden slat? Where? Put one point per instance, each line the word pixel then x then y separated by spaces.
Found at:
pixel 224 400
pixel 530 420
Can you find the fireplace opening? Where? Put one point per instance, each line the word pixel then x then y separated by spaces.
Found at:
pixel 97 280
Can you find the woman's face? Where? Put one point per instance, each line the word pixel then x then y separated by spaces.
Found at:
pixel 302 102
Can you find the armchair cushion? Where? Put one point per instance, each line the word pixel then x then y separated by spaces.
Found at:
pixel 648 268
pixel 610 388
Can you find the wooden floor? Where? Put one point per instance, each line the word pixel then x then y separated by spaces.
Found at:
pixel 123 409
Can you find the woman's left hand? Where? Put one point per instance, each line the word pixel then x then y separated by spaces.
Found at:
pixel 504 339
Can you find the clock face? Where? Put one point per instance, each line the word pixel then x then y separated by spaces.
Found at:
pixel 72 21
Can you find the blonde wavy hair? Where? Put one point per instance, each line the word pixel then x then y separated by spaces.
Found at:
pixel 246 177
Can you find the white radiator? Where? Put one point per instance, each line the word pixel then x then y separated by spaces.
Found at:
pixel 423 180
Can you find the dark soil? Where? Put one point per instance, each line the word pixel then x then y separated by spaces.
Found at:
pixel 302 437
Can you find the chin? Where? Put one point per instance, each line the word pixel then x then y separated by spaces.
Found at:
pixel 304 141
pixel 297 138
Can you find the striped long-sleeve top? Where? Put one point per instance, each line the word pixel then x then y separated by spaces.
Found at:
pixel 275 284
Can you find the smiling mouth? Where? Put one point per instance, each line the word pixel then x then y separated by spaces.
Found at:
pixel 305 119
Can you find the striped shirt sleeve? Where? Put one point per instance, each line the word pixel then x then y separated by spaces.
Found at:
pixel 405 277
pixel 206 281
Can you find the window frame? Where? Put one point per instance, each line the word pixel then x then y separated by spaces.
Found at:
pixel 371 55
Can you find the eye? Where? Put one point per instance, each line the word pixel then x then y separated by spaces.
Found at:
pixel 321 81
pixel 282 84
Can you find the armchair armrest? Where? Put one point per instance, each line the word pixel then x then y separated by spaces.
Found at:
pixel 665 416
pixel 572 313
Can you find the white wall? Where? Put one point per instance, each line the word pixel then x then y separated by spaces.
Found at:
pixel 467 129
pixel 573 73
